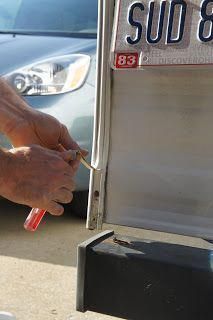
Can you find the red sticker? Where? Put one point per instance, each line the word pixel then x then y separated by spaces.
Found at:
pixel 126 60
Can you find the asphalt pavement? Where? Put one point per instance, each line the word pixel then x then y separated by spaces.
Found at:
pixel 38 270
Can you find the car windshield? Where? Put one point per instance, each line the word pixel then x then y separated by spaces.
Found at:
pixel 57 17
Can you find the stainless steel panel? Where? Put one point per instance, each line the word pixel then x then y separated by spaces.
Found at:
pixel 153 143
pixel 160 168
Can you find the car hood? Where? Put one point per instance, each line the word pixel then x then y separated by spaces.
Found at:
pixel 20 50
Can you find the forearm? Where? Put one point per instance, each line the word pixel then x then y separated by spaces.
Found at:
pixel 13 109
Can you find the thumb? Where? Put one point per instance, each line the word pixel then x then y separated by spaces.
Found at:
pixel 69 155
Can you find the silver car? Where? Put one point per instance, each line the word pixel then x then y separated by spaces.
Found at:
pixel 48 53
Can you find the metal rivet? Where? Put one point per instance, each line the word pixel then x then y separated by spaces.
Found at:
pixel 96 194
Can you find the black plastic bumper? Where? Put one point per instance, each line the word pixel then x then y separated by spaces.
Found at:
pixel 144 280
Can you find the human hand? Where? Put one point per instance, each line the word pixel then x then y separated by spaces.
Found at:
pixel 38 177
pixel 44 130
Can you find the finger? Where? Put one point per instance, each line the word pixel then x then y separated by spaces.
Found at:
pixel 60 148
pixel 67 143
pixel 76 157
pixel 75 165
pixel 69 184
pixel 84 152
pixel 66 140
pixel 73 158
pixel 69 172
pixel 74 162
pixel 69 155
pixel 64 196
pixel 55 209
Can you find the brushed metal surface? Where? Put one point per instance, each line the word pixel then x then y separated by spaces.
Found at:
pixel 160 168
pixel 154 144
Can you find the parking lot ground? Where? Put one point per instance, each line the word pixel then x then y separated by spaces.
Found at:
pixel 38 270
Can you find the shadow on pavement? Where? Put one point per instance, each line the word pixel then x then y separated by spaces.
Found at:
pixel 54 242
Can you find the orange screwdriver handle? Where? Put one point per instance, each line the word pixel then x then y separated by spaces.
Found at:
pixel 34 218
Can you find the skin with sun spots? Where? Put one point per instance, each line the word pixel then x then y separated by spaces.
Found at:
pixel 37 171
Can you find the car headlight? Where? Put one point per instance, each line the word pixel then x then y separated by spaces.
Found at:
pixel 53 76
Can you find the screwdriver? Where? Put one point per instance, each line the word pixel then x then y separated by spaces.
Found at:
pixel 35 216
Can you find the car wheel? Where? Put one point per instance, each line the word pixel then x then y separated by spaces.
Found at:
pixel 78 206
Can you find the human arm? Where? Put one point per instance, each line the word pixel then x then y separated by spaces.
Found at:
pixel 24 125
pixel 36 183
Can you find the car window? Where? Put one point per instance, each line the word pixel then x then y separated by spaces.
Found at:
pixel 65 16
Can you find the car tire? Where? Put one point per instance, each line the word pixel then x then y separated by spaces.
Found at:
pixel 78 206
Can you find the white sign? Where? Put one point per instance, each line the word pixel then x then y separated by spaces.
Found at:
pixel 162 33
